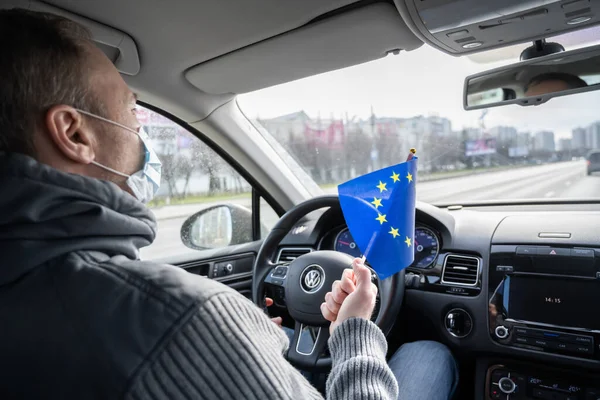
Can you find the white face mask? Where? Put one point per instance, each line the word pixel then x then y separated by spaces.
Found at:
pixel 144 183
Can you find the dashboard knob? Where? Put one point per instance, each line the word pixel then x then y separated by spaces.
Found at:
pixel 502 332
pixel 507 385
pixel 458 323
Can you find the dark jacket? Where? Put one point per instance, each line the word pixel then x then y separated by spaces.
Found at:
pixel 81 317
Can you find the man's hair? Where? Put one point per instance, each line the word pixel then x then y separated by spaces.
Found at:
pixel 573 81
pixel 42 65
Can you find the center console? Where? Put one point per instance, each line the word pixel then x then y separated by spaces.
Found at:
pixel 544 299
pixel 517 380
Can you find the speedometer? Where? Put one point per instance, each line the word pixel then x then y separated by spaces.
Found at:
pixel 345 243
pixel 426 246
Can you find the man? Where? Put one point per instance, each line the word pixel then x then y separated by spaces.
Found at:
pixel 81 316
pixel 553 82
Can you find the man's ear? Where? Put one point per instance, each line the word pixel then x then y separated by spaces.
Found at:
pixel 66 128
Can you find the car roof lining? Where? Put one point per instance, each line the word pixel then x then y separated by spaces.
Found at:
pixel 191 59
pixel 354 37
pixel 170 40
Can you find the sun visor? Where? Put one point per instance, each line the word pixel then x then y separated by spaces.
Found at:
pixel 468 26
pixel 117 45
pixel 342 40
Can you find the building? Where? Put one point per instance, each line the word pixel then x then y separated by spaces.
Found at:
pixel 287 128
pixel 544 141
pixel 592 136
pixel 432 125
pixel 505 135
pixel 578 139
pixel 524 140
pixel 471 134
pixel 565 144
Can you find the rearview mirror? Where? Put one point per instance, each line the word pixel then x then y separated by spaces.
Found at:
pixel 218 226
pixel 535 81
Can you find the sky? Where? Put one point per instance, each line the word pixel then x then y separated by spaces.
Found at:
pixel 421 82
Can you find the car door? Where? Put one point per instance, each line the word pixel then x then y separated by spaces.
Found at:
pixel 211 216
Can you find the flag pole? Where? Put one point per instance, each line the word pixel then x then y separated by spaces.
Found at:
pixel 411 154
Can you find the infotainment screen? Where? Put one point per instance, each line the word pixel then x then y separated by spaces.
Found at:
pixel 557 301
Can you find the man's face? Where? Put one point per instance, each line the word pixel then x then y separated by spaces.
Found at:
pixel 547 86
pixel 117 148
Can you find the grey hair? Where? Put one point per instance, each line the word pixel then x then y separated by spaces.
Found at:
pixel 42 65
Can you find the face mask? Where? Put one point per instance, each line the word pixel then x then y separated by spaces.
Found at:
pixel 144 183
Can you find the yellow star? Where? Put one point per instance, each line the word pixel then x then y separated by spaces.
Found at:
pixel 395 177
pixel 381 219
pixel 381 187
pixel 409 177
pixel 407 241
pixel 394 232
pixel 376 202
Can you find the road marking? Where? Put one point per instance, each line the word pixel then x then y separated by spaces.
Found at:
pixel 549 194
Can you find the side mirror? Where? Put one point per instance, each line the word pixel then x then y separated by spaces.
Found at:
pixel 218 226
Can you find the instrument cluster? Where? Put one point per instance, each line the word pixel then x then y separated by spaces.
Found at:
pixel 426 246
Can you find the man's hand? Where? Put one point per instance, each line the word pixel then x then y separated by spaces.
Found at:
pixel 277 320
pixel 352 296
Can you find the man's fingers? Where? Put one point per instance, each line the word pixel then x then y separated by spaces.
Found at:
pixel 347 285
pixel 339 295
pixel 332 305
pixel 277 321
pixel 327 314
pixel 349 274
pixel 363 276
pixel 268 301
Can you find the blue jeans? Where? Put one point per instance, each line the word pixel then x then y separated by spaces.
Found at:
pixel 425 370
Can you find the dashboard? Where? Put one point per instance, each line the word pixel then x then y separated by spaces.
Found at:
pixel 426 245
pixel 513 287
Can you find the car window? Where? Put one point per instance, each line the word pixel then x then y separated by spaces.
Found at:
pixel 345 123
pixel 195 178
pixel 595 157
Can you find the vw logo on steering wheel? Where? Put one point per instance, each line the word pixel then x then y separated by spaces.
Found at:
pixel 312 278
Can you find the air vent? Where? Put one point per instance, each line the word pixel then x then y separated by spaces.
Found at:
pixel 291 253
pixel 460 270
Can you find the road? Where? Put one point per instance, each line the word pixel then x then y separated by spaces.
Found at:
pixel 562 180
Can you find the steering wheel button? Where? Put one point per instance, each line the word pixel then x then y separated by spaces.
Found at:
pixel 277 281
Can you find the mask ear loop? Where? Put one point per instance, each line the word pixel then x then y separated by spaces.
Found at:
pixel 114 171
pixel 113 123
pixel 108 120
pixel 150 171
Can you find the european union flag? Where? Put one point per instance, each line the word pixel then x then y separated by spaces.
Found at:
pixel 379 209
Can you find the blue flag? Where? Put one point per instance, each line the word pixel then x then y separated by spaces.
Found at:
pixel 379 209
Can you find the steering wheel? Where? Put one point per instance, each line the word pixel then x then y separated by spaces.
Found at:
pixel 306 280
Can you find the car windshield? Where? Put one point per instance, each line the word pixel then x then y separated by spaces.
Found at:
pixel 345 123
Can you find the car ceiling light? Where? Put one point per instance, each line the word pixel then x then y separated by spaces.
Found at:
pixel 578 20
pixel 472 45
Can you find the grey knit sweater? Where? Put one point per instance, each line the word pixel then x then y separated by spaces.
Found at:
pixel 230 350
pixel 85 319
